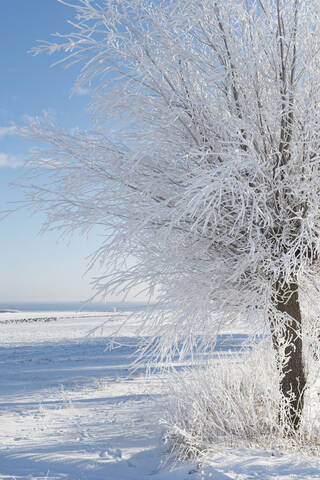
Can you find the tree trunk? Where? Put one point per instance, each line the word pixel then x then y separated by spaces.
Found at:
pixel 293 380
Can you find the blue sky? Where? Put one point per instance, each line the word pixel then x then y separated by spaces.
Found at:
pixel 36 267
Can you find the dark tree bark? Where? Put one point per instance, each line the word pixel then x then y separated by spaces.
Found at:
pixel 293 375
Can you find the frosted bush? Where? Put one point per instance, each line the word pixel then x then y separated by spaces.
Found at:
pixel 234 401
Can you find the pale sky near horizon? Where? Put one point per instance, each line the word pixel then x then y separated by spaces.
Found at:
pixel 36 267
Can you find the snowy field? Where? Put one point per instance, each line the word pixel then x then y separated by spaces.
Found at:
pixel 72 409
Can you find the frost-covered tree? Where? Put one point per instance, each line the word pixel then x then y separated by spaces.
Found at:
pixel 203 162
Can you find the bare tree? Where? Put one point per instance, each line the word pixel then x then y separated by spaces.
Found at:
pixel 203 162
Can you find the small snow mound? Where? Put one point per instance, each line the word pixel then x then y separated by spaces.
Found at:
pixel 111 453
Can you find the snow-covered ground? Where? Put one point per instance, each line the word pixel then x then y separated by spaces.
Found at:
pixel 70 408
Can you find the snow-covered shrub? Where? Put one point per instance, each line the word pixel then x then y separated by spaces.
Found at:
pixel 234 401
